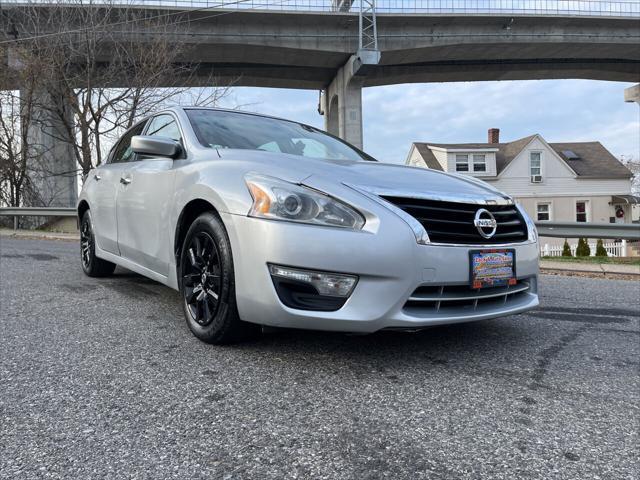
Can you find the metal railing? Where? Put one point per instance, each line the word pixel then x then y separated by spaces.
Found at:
pixel 596 8
pixel 38 212
pixel 625 231
pixel 17 212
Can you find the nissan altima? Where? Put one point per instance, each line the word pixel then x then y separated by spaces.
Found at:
pixel 257 220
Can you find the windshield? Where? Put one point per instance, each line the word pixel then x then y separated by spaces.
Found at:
pixel 220 129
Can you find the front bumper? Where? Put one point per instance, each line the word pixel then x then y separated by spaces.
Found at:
pixel 389 263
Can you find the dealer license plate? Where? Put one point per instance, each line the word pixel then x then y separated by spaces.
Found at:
pixel 492 268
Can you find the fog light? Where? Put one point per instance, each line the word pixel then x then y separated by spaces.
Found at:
pixel 330 284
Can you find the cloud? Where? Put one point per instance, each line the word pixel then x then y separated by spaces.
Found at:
pixel 397 115
pixel 560 110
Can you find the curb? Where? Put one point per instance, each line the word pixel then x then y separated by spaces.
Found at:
pixel 591 273
pixel 597 268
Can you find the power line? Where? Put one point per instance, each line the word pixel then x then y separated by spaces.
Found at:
pixel 164 15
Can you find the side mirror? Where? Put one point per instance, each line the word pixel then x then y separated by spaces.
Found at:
pixel 155 146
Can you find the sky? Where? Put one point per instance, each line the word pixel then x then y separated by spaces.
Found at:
pixel 397 115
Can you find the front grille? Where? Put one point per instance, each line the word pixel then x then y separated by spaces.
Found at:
pixel 461 299
pixel 451 222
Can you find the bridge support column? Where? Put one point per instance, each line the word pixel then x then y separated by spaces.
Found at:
pixel 52 165
pixel 342 104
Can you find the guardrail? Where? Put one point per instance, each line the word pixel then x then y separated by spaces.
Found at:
pixel 38 212
pixel 597 8
pixel 624 231
pixel 16 212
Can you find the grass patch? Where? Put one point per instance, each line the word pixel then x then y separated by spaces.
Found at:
pixel 617 260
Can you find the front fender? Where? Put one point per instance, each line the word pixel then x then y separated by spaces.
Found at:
pixel 219 182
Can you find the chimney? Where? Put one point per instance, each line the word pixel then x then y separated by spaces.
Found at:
pixel 494 135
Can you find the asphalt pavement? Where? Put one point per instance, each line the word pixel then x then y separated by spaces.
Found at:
pixel 101 378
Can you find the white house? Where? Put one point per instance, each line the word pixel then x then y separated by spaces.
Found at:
pixel 572 182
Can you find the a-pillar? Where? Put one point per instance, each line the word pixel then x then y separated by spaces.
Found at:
pixel 52 163
pixel 342 104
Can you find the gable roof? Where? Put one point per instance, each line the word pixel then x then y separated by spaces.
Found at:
pixel 595 160
pixel 428 156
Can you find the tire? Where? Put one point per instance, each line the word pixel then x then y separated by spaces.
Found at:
pixel 92 265
pixel 207 284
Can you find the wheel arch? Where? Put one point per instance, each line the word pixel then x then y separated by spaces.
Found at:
pixel 83 206
pixel 192 210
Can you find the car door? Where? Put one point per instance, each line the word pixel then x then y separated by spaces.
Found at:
pixel 144 203
pixel 103 190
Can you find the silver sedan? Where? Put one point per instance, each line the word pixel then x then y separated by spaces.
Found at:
pixel 263 221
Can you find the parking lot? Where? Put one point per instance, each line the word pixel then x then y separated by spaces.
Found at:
pixel 101 378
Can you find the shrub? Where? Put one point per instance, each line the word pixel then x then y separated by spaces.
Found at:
pixel 566 249
pixel 600 250
pixel 583 249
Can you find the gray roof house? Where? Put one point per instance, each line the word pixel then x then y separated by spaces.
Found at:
pixel 572 181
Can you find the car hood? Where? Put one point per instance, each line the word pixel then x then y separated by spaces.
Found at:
pixel 374 177
pixel 415 182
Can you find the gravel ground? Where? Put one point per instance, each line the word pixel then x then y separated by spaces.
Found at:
pixel 102 379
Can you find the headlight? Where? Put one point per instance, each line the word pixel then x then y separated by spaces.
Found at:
pixel 279 200
pixel 531 227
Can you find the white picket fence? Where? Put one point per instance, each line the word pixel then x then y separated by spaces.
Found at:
pixel 614 249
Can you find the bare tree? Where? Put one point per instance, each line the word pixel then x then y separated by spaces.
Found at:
pixel 18 151
pixel 13 151
pixel 633 164
pixel 103 67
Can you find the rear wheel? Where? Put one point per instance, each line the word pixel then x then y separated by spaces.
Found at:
pixel 207 284
pixel 92 265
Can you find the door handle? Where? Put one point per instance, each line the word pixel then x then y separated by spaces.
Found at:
pixel 97 177
pixel 125 181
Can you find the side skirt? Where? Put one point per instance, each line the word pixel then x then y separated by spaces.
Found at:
pixel 134 267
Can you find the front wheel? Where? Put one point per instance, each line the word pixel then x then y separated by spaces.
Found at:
pixel 207 284
pixel 92 265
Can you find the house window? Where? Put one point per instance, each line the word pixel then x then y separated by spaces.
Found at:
pixel 543 212
pixel 581 211
pixel 535 166
pixel 479 163
pixel 462 163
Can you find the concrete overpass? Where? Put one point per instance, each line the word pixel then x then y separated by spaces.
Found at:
pixel 318 50
pixel 322 49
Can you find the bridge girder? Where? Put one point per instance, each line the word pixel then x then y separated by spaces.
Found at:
pixel 303 44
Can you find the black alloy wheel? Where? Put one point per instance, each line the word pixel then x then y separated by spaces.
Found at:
pixel 92 265
pixel 86 244
pixel 207 283
pixel 201 278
